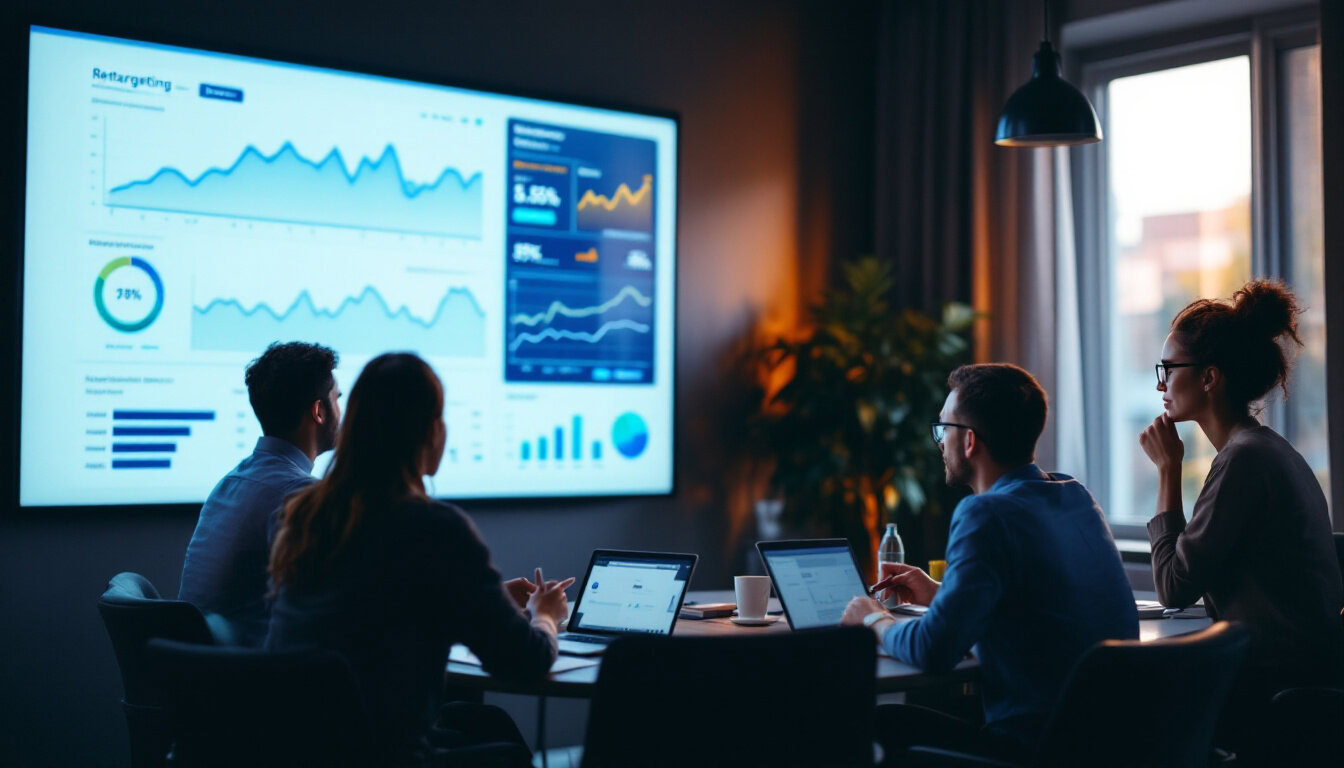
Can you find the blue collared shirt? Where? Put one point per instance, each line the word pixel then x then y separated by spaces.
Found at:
pixel 225 568
pixel 1033 580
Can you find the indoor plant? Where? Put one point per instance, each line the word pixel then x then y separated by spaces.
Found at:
pixel 847 405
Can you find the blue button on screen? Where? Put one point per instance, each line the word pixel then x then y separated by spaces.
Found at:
pixel 221 92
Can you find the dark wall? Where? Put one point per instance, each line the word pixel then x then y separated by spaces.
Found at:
pixel 732 70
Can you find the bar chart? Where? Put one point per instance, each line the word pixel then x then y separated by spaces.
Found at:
pixel 557 446
pixel 146 441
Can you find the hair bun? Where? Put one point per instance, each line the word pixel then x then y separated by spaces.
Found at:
pixel 1267 309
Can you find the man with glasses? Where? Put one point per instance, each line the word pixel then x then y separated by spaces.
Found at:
pixel 1033 577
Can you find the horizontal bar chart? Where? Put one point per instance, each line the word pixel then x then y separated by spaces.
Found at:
pixel 141 463
pixel 151 431
pixel 144 447
pixel 147 415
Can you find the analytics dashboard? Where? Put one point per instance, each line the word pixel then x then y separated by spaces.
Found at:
pixel 185 208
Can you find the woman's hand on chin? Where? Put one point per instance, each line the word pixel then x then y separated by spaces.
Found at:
pixel 1163 446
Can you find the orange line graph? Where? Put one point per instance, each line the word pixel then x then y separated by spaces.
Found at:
pixel 623 194
pixel 588 255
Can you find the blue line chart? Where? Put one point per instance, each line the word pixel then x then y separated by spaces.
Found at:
pixel 559 308
pixel 359 324
pixel 286 187
pixel 580 328
pixel 583 336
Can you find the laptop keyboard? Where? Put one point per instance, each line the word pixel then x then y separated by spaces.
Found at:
pixel 595 639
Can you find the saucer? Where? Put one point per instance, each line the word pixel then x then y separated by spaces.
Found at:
pixel 754 622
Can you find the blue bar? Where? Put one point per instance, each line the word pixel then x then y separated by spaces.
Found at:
pixel 541 449
pixel 526 451
pixel 164 415
pixel 544 216
pixel 559 443
pixel 144 447
pixel 141 464
pixel 597 450
pixel 151 431
pixel 578 438
pixel 221 92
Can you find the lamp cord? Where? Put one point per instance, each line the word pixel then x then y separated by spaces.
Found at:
pixel 1045 18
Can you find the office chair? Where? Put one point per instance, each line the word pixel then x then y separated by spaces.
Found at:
pixel 1339 554
pixel 1129 704
pixel 1309 720
pixel 283 709
pixel 133 613
pixel 244 706
pixel 801 698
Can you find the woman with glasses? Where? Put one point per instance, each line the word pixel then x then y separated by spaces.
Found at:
pixel 1258 546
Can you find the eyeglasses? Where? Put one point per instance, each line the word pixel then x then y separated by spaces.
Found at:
pixel 1163 370
pixel 939 429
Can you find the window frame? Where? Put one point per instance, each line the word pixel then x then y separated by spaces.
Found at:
pixel 1263 38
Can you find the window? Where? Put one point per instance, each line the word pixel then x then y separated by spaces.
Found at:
pixel 1306 416
pixel 1209 175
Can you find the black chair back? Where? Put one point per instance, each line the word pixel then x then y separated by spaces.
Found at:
pixel 1307 724
pixel 133 613
pixel 1152 704
pixel 796 698
pixel 243 706
pixel 1339 554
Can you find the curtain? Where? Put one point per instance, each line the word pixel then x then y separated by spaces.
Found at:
pixel 965 220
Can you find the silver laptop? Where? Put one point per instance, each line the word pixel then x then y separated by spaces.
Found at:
pixel 626 593
pixel 814 578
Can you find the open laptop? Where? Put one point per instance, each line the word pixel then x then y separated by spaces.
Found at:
pixel 626 593
pixel 814 578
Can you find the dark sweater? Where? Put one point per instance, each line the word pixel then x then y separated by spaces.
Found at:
pixel 1259 550
pixel 416 580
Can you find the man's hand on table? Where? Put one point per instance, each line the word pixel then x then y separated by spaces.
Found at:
pixel 860 608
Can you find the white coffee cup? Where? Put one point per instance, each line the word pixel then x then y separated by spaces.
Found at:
pixel 753 596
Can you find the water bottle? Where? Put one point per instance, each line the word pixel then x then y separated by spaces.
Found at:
pixel 890 550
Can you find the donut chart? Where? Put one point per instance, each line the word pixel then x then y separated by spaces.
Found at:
pixel 134 310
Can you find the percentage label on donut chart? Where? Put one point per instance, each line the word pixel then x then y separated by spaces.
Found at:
pixel 128 294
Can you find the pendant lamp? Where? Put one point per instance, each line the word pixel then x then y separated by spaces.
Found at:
pixel 1047 111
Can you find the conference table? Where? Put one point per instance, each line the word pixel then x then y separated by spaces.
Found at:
pixel 576 677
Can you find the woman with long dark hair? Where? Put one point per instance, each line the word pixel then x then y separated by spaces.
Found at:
pixel 365 563
pixel 1258 547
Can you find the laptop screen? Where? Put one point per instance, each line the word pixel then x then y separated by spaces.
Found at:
pixel 632 592
pixel 814 583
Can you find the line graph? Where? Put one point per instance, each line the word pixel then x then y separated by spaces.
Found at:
pixel 561 328
pixel 623 196
pixel 359 324
pixel 591 338
pixel 286 187
pixel 558 308
pixel 623 209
